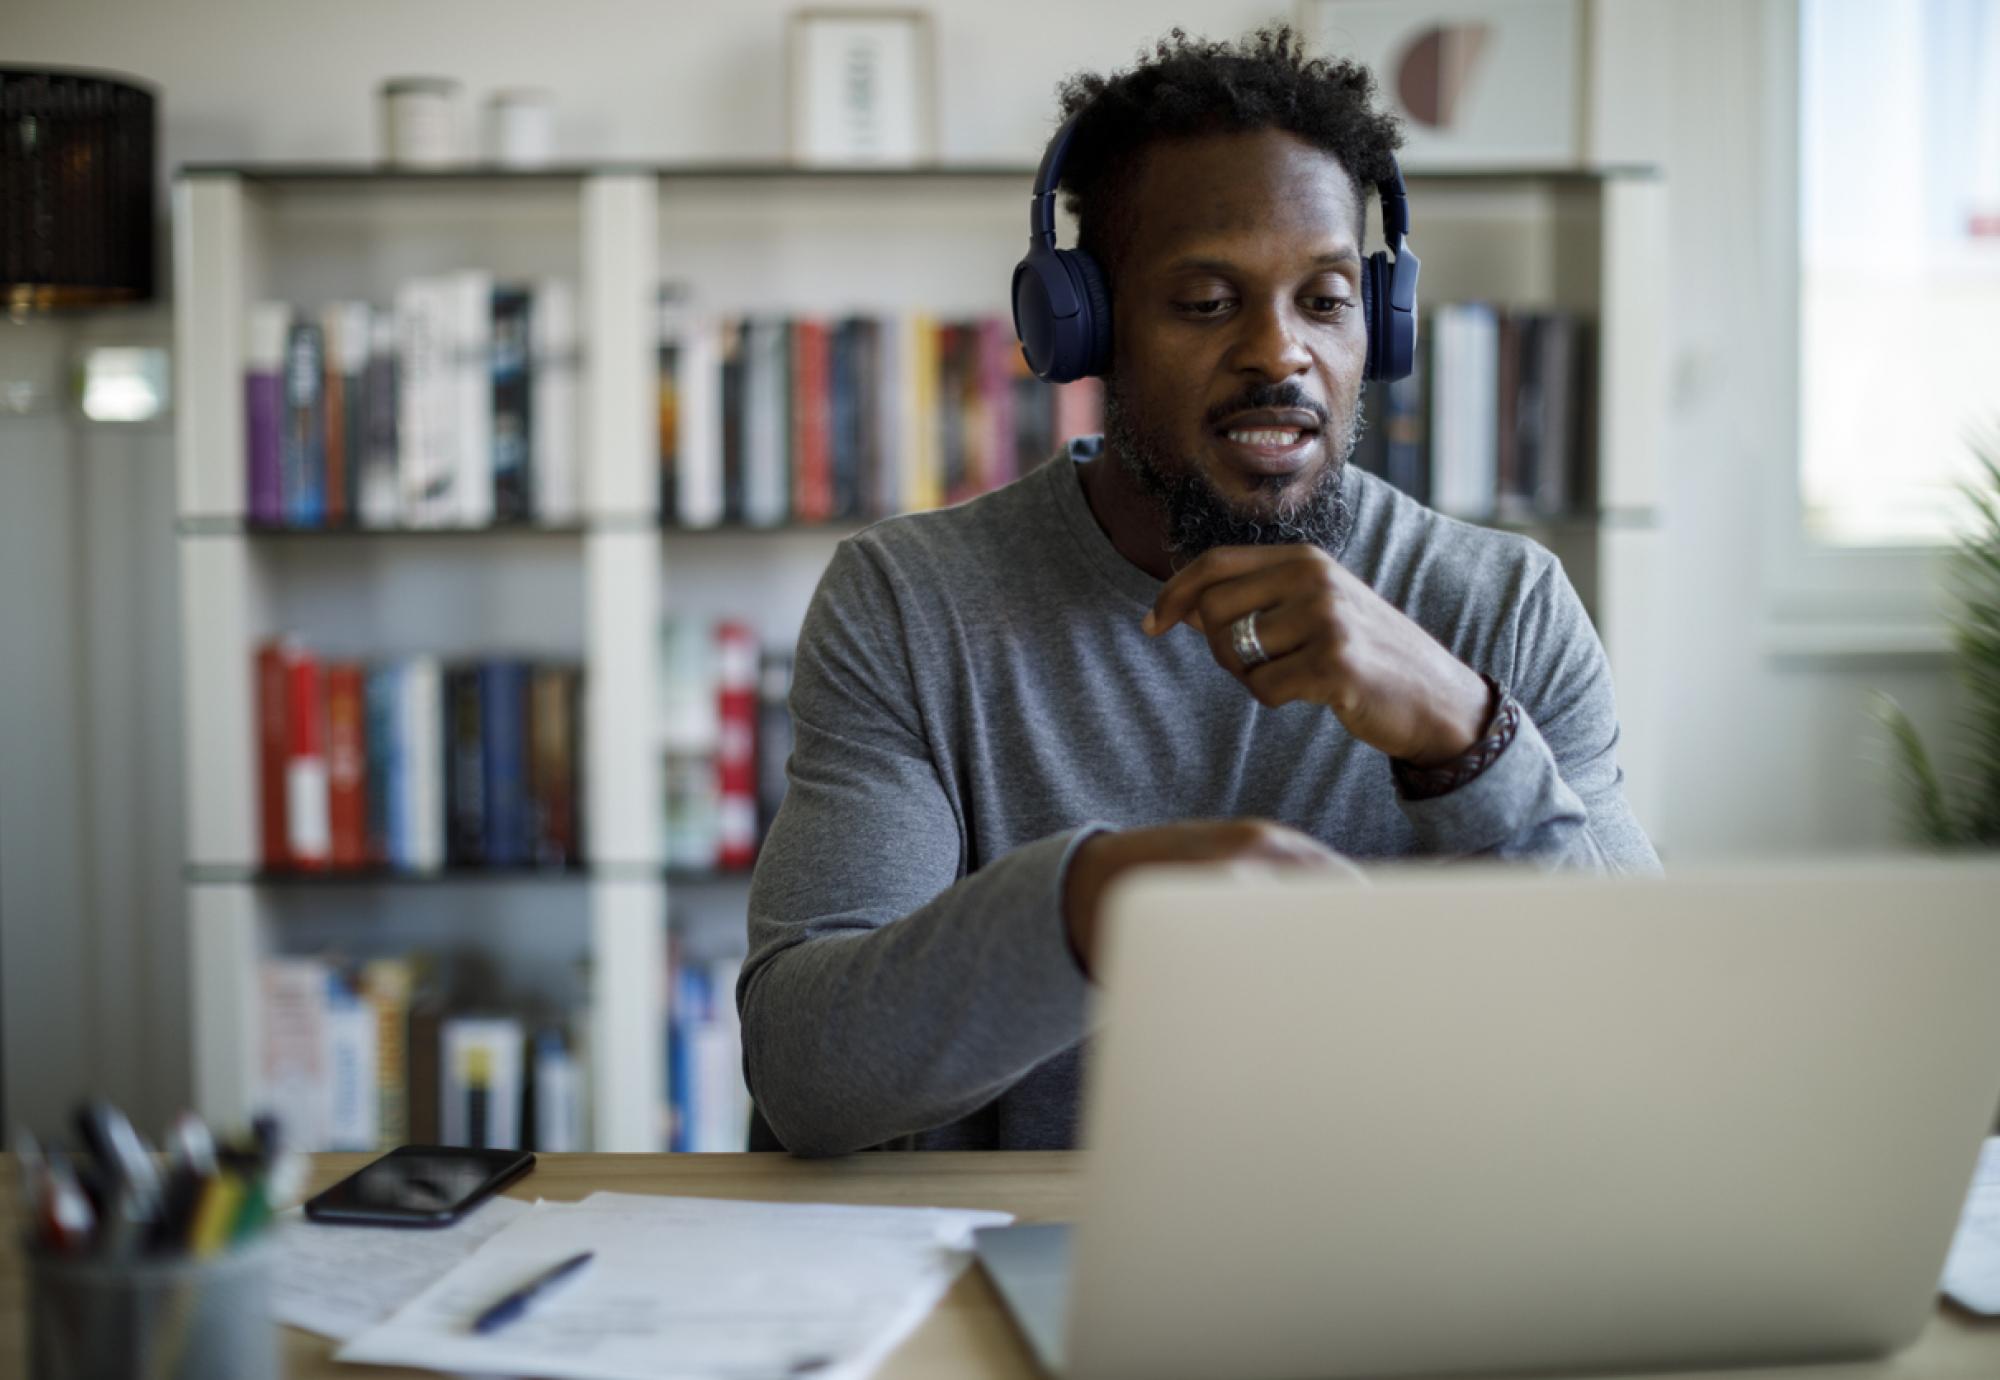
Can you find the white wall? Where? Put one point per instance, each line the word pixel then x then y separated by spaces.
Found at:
pixel 1764 755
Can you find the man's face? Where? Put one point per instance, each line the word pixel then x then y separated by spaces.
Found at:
pixel 1238 338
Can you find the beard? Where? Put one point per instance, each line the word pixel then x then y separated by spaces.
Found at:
pixel 1199 516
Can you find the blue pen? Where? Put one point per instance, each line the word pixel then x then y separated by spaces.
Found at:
pixel 516 1303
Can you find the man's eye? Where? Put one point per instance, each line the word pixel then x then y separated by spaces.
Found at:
pixel 1328 306
pixel 1209 306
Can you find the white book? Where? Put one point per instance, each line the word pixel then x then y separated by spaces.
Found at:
pixel 423 761
pixel 558 1094
pixel 470 292
pixel 293 1067
pixel 886 490
pixel 426 462
pixel 766 424
pixel 552 405
pixel 1482 428
pixel 479 1082
pixel 698 396
pixel 353 1119
pixel 721 1098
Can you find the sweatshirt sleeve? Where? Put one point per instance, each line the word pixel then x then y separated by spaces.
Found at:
pixel 887 992
pixel 1555 795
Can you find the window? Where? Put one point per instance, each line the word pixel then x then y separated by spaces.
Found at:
pixel 1899 263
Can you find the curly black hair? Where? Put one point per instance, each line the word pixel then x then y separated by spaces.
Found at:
pixel 1189 86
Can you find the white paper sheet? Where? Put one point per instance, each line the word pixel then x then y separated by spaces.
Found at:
pixel 339 1281
pixel 1972 1270
pixel 690 1289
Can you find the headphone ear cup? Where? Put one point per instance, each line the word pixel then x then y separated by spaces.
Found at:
pixel 1374 308
pixel 1095 330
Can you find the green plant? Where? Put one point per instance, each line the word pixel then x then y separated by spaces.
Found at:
pixel 1966 811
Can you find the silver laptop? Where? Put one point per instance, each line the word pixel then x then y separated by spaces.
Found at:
pixel 1464 1122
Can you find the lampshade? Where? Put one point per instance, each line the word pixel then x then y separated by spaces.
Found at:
pixel 76 190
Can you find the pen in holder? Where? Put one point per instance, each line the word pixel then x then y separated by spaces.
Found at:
pixel 159 1318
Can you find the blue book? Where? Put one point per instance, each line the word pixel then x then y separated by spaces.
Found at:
pixel 381 731
pixel 303 454
pixel 503 723
pixel 690 998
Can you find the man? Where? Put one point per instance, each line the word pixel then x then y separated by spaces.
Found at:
pixel 1002 706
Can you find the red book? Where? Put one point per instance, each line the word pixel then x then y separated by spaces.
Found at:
pixel 271 689
pixel 812 424
pixel 736 744
pixel 308 841
pixel 346 766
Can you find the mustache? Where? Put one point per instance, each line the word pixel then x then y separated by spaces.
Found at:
pixel 1263 395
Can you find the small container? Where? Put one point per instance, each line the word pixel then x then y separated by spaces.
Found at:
pixel 422 122
pixel 520 128
pixel 173 1318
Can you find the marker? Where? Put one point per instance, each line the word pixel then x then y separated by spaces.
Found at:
pixel 516 1303
pixel 67 1217
pixel 215 1214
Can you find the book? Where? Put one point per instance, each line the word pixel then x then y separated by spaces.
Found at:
pixel 426 1058
pixel 552 402
pixel 465 767
pixel 1406 448
pixel 689 730
pixel 387 986
pixel 345 328
pixel 736 745
pixel 552 763
pixel 812 422
pixel 468 296
pixel 730 368
pixel 697 386
pixel 767 422
pixel 273 694
pixel 304 448
pixel 346 763
pixel 503 733
pixel 426 434
pixel 422 757
pixel 381 736
pixel 380 500
pixel 512 405
pixel 266 336
pixel 845 395
pixel 353 1112
pixel 480 1082
pixel 922 426
pixel 555 1093
pixel 308 831
pixel 721 1100
pixel 292 1082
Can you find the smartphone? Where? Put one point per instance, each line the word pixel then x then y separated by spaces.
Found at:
pixel 419 1186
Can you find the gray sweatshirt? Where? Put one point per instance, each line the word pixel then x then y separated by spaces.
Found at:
pixel 974 695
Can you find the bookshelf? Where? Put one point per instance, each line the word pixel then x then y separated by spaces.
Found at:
pixel 749 238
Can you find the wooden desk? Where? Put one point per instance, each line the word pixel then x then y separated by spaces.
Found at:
pixel 969 1334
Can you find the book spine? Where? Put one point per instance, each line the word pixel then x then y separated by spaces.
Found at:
pixel 774 735
pixel 293 1069
pixel 997 352
pixel 558 1102
pixel 381 727
pixel 333 411
pixel 379 503
pixel 346 761
pixel 386 986
pixel 922 483
pixel 481 1101
pixel 812 498
pixel 264 404
pixel 698 400
pixel 470 294
pixel 843 402
pixel 1034 407
pixel 729 352
pixel 304 448
pixel 352 1120
pixel 465 774
pixel 273 691
pixel 766 425
pixel 891 419
pixel 308 838
pixel 1406 459
pixel 512 406
pixel 422 476
pixel 736 744
pixel 422 762
pixel 551 767
pixel 552 402
pixel 503 742
pixel 668 367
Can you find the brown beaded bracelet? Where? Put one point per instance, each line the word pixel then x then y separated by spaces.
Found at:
pixel 1428 783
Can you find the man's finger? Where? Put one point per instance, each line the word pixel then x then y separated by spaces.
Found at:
pixel 1179 595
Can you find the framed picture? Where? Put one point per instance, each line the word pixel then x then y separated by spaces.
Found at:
pixel 862 87
pixel 1477 83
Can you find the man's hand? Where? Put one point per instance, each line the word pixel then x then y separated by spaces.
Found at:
pixel 1332 641
pixel 1103 856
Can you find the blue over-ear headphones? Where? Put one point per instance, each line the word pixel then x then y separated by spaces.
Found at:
pixel 1062 305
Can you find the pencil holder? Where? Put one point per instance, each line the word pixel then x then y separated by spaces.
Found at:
pixel 169 1319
